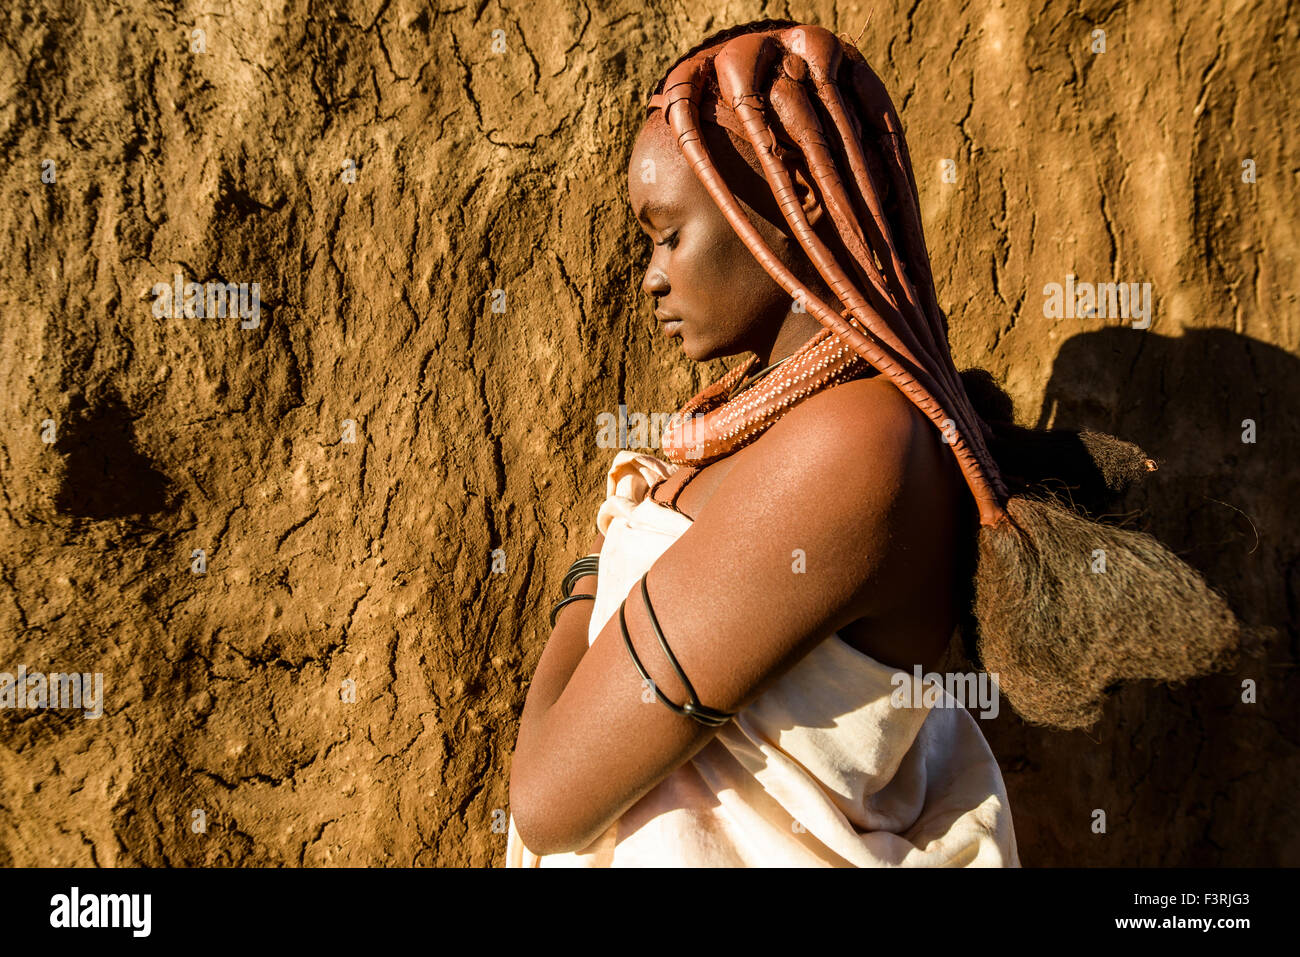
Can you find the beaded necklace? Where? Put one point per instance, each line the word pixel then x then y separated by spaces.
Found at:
pixel 735 410
pixel 756 376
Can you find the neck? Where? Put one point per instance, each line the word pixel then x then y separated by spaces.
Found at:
pixel 797 329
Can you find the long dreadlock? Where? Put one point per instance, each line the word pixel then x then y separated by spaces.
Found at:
pixel 1057 634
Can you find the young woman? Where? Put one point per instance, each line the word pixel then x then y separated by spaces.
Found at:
pixel 722 685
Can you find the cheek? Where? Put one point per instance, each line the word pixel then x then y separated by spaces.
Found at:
pixel 749 290
pixel 722 267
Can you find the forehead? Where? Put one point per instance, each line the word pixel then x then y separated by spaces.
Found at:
pixel 659 179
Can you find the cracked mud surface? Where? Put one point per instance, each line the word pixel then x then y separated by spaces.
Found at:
pixel 329 561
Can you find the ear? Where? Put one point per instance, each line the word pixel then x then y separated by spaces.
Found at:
pixel 812 207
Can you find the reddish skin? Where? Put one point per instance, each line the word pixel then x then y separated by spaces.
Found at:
pixel 855 476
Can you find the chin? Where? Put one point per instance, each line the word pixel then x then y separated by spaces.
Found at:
pixel 698 352
pixel 705 351
pixel 692 351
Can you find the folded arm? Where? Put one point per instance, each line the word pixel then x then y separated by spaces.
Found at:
pixel 563 651
pixel 834 490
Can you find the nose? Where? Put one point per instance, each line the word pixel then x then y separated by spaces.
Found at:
pixel 655 282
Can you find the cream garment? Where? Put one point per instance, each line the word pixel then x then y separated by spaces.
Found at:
pixel 821 770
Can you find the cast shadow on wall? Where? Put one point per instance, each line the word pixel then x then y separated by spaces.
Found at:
pixel 105 474
pixel 1216 410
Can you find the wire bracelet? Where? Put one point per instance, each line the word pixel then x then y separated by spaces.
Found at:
pixel 586 565
pixel 692 709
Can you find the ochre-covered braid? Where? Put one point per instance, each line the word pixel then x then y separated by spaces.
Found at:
pixel 766 86
pixel 1057 638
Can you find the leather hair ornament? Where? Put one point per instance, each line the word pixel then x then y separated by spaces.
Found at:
pixel 772 88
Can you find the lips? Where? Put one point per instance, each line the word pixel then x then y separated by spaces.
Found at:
pixel 670 323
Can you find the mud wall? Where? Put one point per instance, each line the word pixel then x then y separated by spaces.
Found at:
pixel 273 531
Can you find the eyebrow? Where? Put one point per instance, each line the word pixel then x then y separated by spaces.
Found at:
pixel 653 207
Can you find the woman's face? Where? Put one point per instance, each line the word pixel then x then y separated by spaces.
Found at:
pixel 702 276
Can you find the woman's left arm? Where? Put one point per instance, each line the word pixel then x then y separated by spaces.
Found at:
pixel 841 481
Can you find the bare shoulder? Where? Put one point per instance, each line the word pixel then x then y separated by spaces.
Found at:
pixel 864 435
pixel 875 404
pixel 868 476
pixel 875 397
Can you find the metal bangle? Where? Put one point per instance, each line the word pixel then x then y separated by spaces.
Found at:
pixel 564 601
pixel 586 565
pixel 692 709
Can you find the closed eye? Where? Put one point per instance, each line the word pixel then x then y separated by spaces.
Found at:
pixel 669 241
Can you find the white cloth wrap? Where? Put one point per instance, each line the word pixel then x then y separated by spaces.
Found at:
pixel 821 770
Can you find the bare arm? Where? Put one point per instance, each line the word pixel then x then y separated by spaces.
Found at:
pixel 561 656
pixel 564 649
pixel 841 482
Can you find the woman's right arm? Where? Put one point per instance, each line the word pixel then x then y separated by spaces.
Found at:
pixel 568 641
